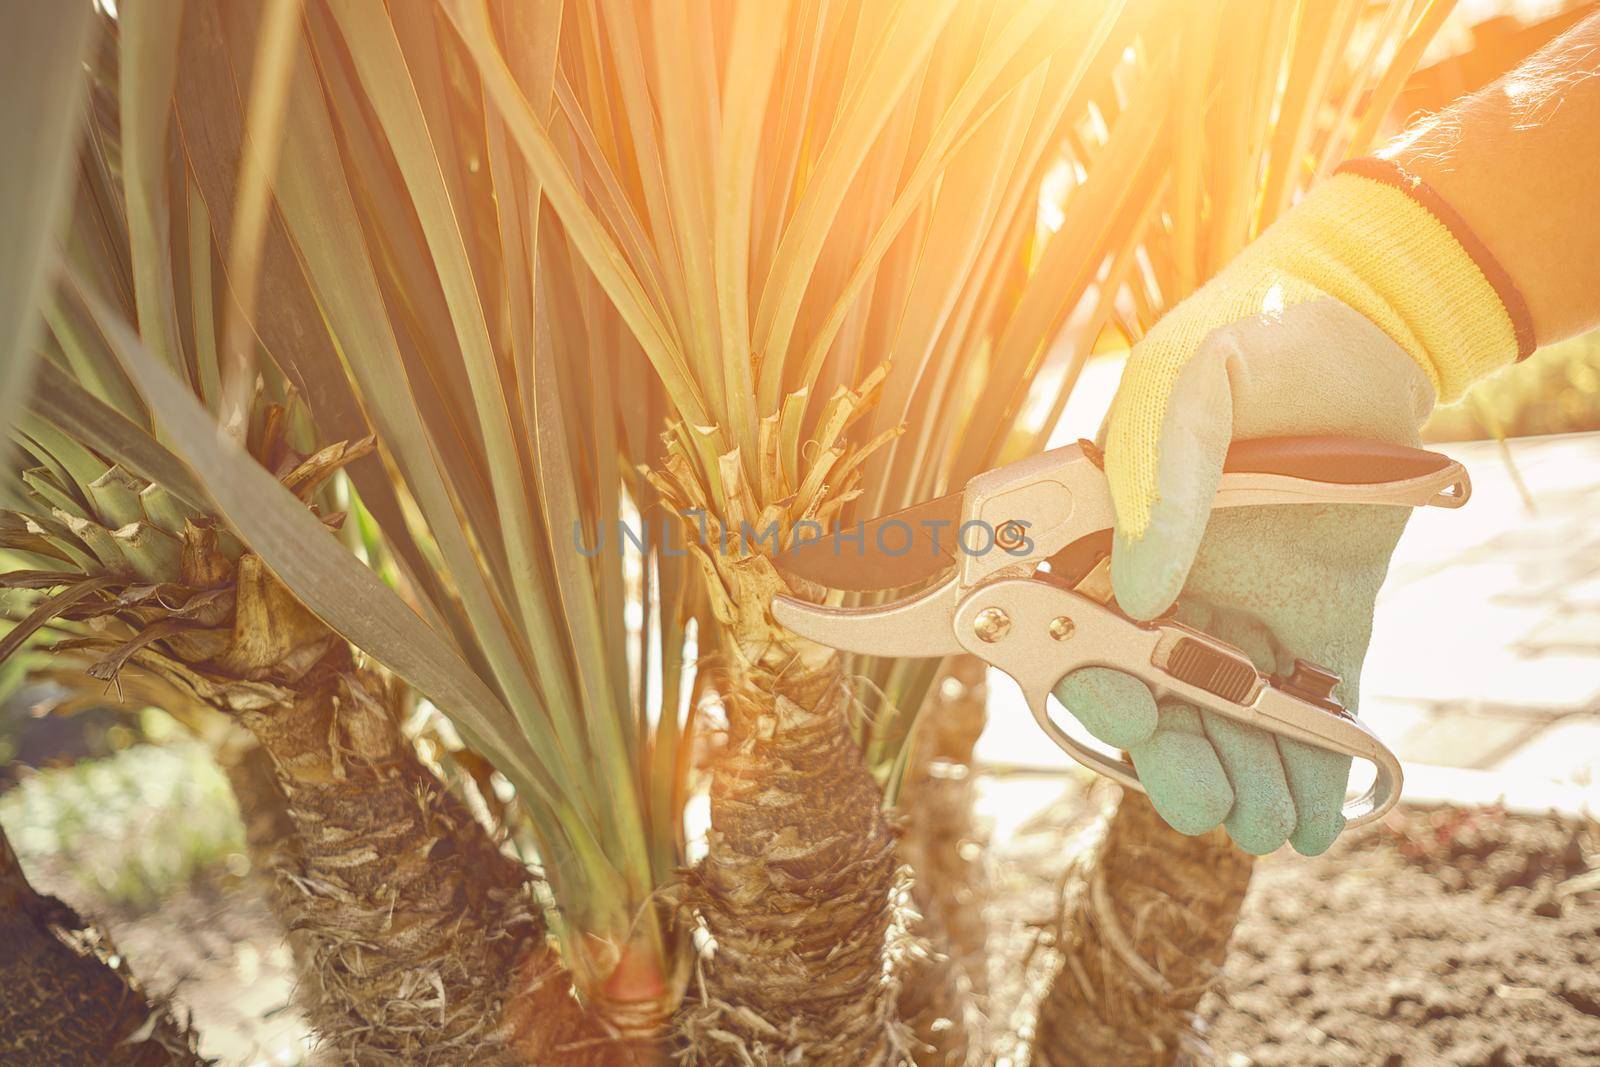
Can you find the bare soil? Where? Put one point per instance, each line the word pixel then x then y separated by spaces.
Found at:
pixel 1467 938
pixel 1446 936
pixel 1459 937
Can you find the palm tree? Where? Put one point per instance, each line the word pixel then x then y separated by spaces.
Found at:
pixel 489 280
pixel 815 242
pixel 420 940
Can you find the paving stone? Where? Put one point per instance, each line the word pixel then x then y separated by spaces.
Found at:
pixel 1566 751
pixel 1460 738
pixel 1570 627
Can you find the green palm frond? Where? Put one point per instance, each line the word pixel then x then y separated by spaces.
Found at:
pixel 43 55
pixel 378 305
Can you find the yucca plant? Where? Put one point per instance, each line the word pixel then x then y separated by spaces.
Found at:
pixel 718 269
pixel 818 222
pixel 420 941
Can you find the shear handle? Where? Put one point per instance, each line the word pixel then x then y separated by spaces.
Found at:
pixel 1038 632
pixel 1373 804
pixel 1341 460
pixel 1327 469
pixel 1321 458
pixel 1339 470
pixel 1061 496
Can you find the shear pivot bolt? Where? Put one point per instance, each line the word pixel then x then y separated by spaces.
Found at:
pixel 1061 627
pixel 1010 536
pixel 991 624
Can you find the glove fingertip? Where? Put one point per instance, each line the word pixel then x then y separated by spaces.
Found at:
pixel 1184 781
pixel 1260 832
pixel 1317 780
pixel 1115 707
pixel 1147 574
pixel 1316 836
pixel 1195 814
pixel 1263 813
pixel 1263 817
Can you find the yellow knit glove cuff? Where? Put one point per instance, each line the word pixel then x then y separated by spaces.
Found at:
pixel 1357 240
pixel 1383 244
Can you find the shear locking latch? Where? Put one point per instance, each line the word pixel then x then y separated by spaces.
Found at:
pixel 1216 672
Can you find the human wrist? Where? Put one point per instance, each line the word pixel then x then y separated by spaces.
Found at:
pixel 1520 160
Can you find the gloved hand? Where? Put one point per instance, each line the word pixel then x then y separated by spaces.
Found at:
pixel 1349 316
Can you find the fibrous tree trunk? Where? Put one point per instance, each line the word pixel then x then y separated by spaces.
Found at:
pixel 1144 936
pixel 418 941
pixel 942 845
pixel 796 886
pixel 67 996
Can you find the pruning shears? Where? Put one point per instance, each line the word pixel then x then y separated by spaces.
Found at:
pixel 1022 558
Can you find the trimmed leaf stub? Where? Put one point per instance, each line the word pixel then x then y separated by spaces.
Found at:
pixel 737 511
pixel 147 582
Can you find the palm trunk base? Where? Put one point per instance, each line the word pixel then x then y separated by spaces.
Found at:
pixel 1145 934
pixel 66 996
pixel 796 888
pixel 421 942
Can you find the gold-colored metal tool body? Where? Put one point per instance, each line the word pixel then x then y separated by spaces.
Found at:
pixel 1032 626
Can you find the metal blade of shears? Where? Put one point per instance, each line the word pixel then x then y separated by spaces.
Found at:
pixel 915 626
pixel 901 548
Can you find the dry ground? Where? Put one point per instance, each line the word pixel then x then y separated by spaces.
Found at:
pixel 1438 937
pixel 1441 936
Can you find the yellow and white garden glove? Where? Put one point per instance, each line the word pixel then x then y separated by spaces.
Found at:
pixel 1350 316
